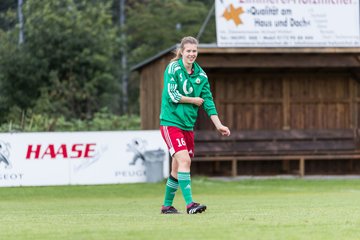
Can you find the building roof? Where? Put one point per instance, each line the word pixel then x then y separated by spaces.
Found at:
pixel 150 59
pixel 214 49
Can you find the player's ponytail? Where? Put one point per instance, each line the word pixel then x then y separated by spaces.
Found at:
pixel 184 41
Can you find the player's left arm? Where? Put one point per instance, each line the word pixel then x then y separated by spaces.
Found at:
pixel 223 130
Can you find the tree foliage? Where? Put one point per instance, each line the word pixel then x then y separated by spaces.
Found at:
pixel 7 14
pixel 69 64
pixel 65 67
pixel 159 24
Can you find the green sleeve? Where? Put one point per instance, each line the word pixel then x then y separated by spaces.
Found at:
pixel 171 83
pixel 208 105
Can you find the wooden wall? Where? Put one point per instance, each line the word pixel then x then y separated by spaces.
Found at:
pixel 274 99
pixel 268 88
pixel 151 85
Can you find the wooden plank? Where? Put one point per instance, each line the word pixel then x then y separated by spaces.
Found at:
pixel 257 92
pixel 230 107
pixel 204 49
pixel 353 111
pixel 346 156
pixel 293 146
pixel 220 94
pixel 150 95
pixel 274 148
pixel 286 105
pixel 212 147
pixel 277 60
pixel 142 102
pixel 321 100
pixel 158 85
pixel 250 101
pixel 254 135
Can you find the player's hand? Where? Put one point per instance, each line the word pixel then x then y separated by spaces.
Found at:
pixel 198 101
pixel 225 131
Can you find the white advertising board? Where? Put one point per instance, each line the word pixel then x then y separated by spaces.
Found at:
pixel 41 159
pixel 287 23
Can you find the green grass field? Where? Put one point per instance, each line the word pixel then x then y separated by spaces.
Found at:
pixel 245 209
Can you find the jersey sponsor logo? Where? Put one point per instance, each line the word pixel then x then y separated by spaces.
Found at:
pixel 186 89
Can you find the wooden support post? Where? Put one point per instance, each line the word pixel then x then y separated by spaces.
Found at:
pixel 302 167
pixel 234 168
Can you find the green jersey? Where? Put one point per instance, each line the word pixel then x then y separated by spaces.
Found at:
pixel 177 83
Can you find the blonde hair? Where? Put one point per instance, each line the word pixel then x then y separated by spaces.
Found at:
pixel 184 41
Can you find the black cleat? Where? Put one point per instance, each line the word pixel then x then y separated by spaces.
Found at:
pixel 195 208
pixel 169 210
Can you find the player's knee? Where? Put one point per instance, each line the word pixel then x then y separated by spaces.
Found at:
pixel 185 162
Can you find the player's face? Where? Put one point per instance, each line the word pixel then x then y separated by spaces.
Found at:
pixel 189 53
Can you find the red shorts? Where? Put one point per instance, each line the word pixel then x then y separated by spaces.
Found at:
pixel 177 139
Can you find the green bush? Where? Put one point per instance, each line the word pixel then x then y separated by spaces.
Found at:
pixel 102 121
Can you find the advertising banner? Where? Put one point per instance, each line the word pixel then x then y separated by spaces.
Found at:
pixel 287 23
pixel 40 159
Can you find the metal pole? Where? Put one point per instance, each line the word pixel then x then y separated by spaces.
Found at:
pixel 21 22
pixel 124 79
pixel 205 22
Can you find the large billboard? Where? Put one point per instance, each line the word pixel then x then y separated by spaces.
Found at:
pixel 39 159
pixel 287 23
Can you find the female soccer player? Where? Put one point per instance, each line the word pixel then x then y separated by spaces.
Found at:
pixel 186 88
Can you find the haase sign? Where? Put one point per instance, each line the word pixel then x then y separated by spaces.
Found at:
pixel 42 159
pixel 53 151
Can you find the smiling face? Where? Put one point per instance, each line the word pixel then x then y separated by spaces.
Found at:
pixel 189 53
